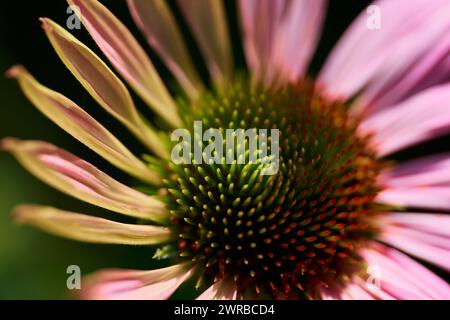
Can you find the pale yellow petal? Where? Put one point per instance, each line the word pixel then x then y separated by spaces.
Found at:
pixel 103 85
pixel 128 57
pixel 80 227
pixel 78 123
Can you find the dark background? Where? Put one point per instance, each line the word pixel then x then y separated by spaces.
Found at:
pixel 33 264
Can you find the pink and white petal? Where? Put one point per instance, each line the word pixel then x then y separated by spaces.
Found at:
pixel 127 56
pixel 429 70
pixel 417 119
pixel 80 227
pixel 355 292
pixel 326 295
pixel 376 292
pixel 421 183
pixel 157 23
pixel 103 85
pixel 356 289
pixel 371 61
pixel 431 170
pixel 422 241
pixel 208 23
pixel 419 197
pixel 76 177
pixel 78 123
pixel 351 291
pixel 412 244
pixel 280 37
pixel 260 20
pixel 430 223
pixel 348 293
pixel 297 37
pixel 118 284
pixel 221 290
pixel 402 277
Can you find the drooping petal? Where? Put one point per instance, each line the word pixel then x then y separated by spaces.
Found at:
pixel 101 83
pixel 259 20
pixel 377 292
pixel 156 284
pixel 424 235
pixel 405 55
pixel 86 228
pixel 427 197
pixel 221 290
pixel 127 56
pixel 298 36
pixel 404 278
pixel 431 223
pixel 417 119
pixel 426 171
pixel 209 25
pixel 356 292
pixel 77 178
pixel 157 23
pixel 280 36
pixel 70 117
pixel 354 289
pixel 423 183
pixel 430 70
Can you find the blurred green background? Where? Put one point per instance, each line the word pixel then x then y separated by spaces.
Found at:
pixel 33 264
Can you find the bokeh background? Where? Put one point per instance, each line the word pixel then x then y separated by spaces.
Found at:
pixel 33 264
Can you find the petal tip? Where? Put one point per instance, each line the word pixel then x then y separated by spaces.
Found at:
pixel 8 144
pixel 45 23
pixel 15 71
pixel 21 213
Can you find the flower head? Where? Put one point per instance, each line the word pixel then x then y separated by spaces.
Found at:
pixel 335 207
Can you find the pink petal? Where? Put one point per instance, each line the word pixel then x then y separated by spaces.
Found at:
pixel 221 290
pixel 431 223
pixel 437 198
pixel 422 183
pixel 156 284
pixel 356 289
pixel 280 36
pixel 356 292
pixel 431 170
pixel 426 236
pixel 78 178
pixel 431 69
pixel 404 278
pixel 157 23
pixel 377 293
pixel 298 36
pixel 259 20
pixel 208 23
pixel 395 61
pixel 417 119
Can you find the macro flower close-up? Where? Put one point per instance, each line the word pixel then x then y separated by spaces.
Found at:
pixel 259 179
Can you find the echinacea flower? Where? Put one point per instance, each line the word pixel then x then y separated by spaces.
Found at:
pixel 337 205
